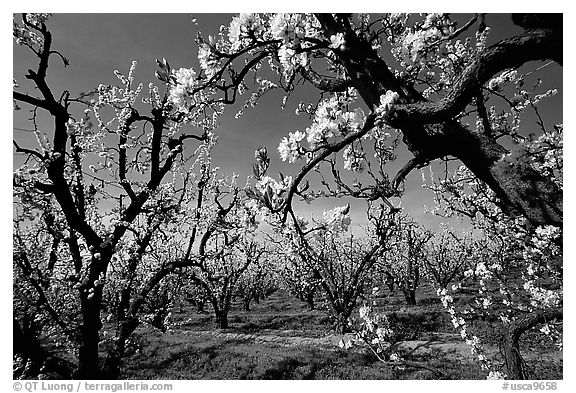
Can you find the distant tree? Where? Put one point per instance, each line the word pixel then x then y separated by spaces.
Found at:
pixel 195 295
pixel 340 262
pixel 258 282
pixel 405 256
pixel 219 275
pixel 214 242
pixel 447 256
pixel 298 277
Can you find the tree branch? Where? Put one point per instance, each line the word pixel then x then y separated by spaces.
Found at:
pixel 324 83
pixel 509 53
pixel 406 169
pixel 34 101
pixel 27 151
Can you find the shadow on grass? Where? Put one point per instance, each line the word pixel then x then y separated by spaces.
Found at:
pixel 192 354
pixel 237 359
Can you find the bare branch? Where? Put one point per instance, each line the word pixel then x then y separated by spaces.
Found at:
pixel 34 101
pixel 27 151
pixel 406 169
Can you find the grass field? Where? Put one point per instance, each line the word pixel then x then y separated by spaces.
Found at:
pixel 280 339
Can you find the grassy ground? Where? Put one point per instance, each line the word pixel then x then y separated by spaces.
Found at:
pixel 280 339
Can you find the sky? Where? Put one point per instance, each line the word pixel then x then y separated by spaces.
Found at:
pixel 98 44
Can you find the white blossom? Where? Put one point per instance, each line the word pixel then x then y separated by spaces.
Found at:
pixel 289 148
pixel 337 41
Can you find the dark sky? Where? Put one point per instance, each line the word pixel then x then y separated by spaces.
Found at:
pixel 97 44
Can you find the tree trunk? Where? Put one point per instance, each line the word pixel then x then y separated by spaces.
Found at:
pixel 410 297
pixel 341 322
pixel 389 281
pixel 221 314
pixel 222 320
pixel 88 359
pixel 24 338
pixel 200 306
pixel 26 344
pixel 247 304
pixel 310 301
pixel 111 368
pixel 411 281
pixel 511 341
pixel 520 188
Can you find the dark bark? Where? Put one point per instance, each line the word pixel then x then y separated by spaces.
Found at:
pixel 89 366
pixel 410 296
pixel 88 358
pixel 310 300
pixel 222 319
pixel 200 306
pixel 510 53
pixel 389 281
pixel 511 341
pixel 412 277
pixel 247 300
pixel 341 321
pixel 27 345
pixel 520 189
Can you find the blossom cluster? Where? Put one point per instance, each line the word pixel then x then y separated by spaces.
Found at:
pixel 375 333
pixel 337 219
pixel 289 148
pixel 501 80
pixel 473 341
pixel 272 190
pixel 354 160
pixel 24 35
pixel 243 28
pixel 294 32
pixel 185 81
pixel 508 248
pixel 331 119
pixel 417 40
pixel 387 100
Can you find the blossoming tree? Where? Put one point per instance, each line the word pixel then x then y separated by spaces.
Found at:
pixel 447 256
pixel 416 76
pixel 519 264
pixel 426 82
pixel 405 256
pixel 105 190
pixel 297 277
pixel 338 262
pixel 518 271
pixel 258 282
pixel 440 89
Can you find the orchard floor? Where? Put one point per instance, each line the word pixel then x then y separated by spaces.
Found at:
pixel 280 339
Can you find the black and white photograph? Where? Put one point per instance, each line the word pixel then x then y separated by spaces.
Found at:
pixel 287 196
